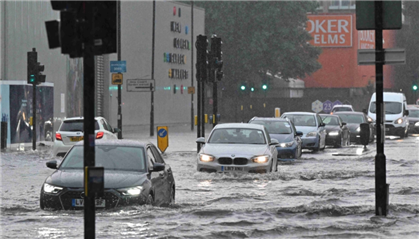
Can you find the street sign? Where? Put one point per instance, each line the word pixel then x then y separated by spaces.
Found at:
pixel 191 90
pixel 327 106
pixel 118 66
pixel 140 85
pixel 391 56
pixel 337 102
pixel 162 138
pixel 317 106
pixel 117 78
pixel 365 15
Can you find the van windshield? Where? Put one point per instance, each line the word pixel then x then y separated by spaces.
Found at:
pixel 391 108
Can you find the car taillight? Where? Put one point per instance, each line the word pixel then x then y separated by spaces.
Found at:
pixel 58 136
pixel 99 135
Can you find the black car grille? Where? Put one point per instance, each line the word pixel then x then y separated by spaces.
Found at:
pixel 67 197
pixel 236 161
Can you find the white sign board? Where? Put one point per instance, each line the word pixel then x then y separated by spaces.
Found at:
pixel 391 56
pixel 140 85
pixel 317 106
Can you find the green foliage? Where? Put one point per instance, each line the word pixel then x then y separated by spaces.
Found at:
pixel 262 36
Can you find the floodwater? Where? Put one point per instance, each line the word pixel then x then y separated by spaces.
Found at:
pixel 319 196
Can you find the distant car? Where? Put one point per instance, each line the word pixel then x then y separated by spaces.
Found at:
pixel 238 147
pixel 337 132
pixel 353 121
pixel 339 108
pixel 71 131
pixel 134 174
pixel 413 118
pixel 283 130
pixel 312 127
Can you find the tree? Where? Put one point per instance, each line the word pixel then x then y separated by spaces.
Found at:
pixel 260 37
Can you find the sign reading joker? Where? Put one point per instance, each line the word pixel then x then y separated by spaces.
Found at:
pixel 330 30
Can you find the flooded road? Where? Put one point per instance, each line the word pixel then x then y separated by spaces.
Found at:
pixel 329 194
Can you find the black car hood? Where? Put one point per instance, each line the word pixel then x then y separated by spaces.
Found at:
pixel 330 128
pixel 352 127
pixel 113 178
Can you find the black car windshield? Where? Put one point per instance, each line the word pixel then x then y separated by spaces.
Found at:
pixel 237 136
pixel 111 157
pixel 275 127
pixel 352 119
pixel 330 120
pixel 75 125
pixel 302 120
pixel 414 113
pixel 390 107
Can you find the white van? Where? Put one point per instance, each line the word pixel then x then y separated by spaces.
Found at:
pixel 396 121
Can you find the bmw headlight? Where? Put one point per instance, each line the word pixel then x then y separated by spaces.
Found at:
pixel 286 144
pixel 134 191
pixel 312 134
pixel 48 188
pixel 260 159
pixel 358 129
pixel 334 133
pixel 206 158
pixel 417 123
pixel 399 121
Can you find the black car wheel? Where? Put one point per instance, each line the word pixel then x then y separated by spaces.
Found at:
pixel 150 199
pixel 41 203
pixel 276 166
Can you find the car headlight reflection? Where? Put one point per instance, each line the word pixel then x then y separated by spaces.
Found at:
pixel 334 133
pixel 312 134
pixel 134 191
pixel 286 144
pixel 260 159
pixel 48 188
pixel 417 123
pixel 399 121
pixel 206 158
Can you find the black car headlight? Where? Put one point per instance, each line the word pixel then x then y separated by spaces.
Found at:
pixel 261 159
pixel 206 158
pixel 286 144
pixel 312 134
pixel 133 191
pixel 334 133
pixel 417 123
pixel 398 121
pixel 48 188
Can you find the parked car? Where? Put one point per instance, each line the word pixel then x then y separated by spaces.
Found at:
pixel 238 147
pixel 71 132
pixel 353 121
pixel 283 130
pixel 396 114
pixel 413 118
pixel 337 132
pixel 339 108
pixel 312 127
pixel 134 174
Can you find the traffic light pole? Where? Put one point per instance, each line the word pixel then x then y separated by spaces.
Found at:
pixel 381 187
pixel 118 12
pixel 89 117
pixel 34 116
pixel 214 101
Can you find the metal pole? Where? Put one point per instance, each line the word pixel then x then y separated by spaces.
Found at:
pixel 119 58
pixel 214 102
pixel 192 72
pixel 381 193
pixel 89 117
pixel 34 115
pixel 199 83
pixel 203 106
pixel 152 70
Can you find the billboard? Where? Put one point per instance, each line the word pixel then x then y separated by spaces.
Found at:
pixel 330 30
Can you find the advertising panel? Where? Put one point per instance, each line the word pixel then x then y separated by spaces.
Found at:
pixel 330 30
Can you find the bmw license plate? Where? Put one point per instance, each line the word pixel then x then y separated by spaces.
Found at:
pixel 76 138
pixel 78 202
pixel 231 169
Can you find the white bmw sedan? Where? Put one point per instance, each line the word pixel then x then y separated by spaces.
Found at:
pixel 238 147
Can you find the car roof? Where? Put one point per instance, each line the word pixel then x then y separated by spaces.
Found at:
pixel 348 113
pixel 79 118
pixel 300 113
pixel 118 142
pixel 270 119
pixel 239 125
pixel 335 106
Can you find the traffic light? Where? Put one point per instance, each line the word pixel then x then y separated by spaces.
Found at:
pixel 40 78
pixel 264 85
pixel 201 45
pixel 217 55
pixel 415 87
pixel 32 66
pixel 243 86
pixel 252 87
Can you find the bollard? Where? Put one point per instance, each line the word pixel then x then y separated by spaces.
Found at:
pixel 3 134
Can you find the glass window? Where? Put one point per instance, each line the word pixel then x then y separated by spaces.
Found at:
pixel 352 119
pixel 342 109
pixel 110 157
pixel 157 155
pixel 151 159
pixel 414 113
pixel 302 120
pixel 330 120
pixel 389 107
pixel 275 127
pixel 75 125
pixel 237 136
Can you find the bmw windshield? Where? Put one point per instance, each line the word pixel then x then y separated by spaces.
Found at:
pixel 237 136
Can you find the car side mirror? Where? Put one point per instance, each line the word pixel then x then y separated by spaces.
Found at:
pixel 52 164
pixel 364 111
pixel 407 113
pixel 343 123
pixel 157 167
pixel 201 140
pixel 299 133
pixel 274 142
pixel 322 125
pixel 116 130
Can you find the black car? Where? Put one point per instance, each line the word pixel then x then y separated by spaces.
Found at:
pixel 353 121
pixel 337 132
pixel 134 174
pixel 413 119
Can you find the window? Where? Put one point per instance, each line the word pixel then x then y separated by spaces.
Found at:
pixel 151 158
pixel 75 125
pixel 157 155
pixel 389 107
pixel 275 127
pixel 237 136
pixel 302 120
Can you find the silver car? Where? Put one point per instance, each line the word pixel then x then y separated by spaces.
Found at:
pixel 238 147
